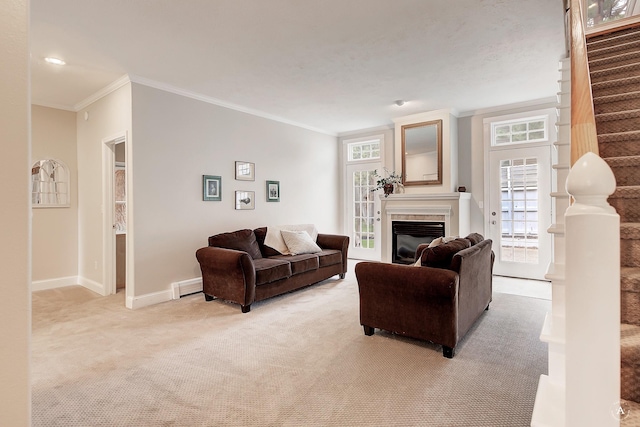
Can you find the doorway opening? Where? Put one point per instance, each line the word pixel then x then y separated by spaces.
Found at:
pixel 117 243
pixel 120 214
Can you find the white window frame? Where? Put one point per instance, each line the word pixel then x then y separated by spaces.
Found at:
pixel 524 120
pixel 346 162
pixel 349 143
pixel 552 134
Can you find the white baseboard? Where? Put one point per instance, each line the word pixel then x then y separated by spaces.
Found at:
pixel 178 289
pixel 91 285
pixel 41 285
pixel 185 287
pixel 149 299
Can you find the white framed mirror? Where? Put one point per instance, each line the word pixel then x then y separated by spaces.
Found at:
pixel 422 153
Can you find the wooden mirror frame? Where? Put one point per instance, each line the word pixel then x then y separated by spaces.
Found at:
pixel 438 180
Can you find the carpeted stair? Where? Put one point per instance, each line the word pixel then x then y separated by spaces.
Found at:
pixel 614 63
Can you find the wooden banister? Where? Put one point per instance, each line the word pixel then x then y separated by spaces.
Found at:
pixel 583 123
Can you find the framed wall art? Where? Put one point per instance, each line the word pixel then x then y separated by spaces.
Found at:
pixel 245 171
pixel 211 188
pixel 273 191
pixel 245 200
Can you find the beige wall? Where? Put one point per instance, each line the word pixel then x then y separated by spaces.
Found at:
pixel 15 233
pixel 55 230
pixel 177 140
pixel 107 117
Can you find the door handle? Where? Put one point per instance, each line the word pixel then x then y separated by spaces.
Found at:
pixel 494 222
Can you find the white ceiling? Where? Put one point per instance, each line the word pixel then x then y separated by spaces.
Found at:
pixel 330 65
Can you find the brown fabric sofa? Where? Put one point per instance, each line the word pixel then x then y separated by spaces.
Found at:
pixel 238 267
pixel 438 301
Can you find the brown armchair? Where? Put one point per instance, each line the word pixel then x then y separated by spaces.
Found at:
pixel 438 304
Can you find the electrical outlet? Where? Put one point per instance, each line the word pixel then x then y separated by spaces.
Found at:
pixel 95 265
pixel 481 204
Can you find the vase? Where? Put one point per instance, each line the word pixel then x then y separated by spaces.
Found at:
pixel 388 189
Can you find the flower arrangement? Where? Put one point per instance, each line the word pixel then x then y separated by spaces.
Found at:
pixel 387 183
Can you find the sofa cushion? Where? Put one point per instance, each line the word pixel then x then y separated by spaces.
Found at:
pixel 269 270
pixel 440 256
pixel 300 242
pixel 474 238
pixel 241 240
pixel 329 257
pixel 300 263
pixel 267 251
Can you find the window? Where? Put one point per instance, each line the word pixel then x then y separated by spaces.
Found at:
pixel 534 129
pixel 600 12
pixel 367 150
pixel 49 184
pixel 519 213
pixel 364 209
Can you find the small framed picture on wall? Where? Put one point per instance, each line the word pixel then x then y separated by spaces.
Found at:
pixel 273 191
pixel 245 171
pixel 245 200
pixel 211 188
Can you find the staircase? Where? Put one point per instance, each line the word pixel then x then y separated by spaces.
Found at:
pixel 614 64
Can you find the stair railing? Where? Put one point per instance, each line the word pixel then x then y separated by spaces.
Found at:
pixel 583 123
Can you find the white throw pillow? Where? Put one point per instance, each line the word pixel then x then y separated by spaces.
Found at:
pixel 299 242
pixel 274 239
pixel 440 240
pixel 435 242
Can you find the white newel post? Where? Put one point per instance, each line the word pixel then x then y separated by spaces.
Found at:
pixel 592 230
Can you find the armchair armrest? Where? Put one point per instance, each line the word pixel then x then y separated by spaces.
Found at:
pixel 414 282
pixel 228 274
pixel 338 242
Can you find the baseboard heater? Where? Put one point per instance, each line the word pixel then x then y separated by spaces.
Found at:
pixel 186 287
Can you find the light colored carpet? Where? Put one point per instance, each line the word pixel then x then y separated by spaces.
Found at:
pixel 300 359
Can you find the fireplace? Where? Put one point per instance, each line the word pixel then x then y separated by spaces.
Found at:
pixel 408 235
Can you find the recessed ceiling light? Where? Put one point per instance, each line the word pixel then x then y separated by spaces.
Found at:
pixel 54 61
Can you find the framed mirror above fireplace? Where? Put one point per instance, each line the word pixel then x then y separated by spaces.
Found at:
pixel 422 153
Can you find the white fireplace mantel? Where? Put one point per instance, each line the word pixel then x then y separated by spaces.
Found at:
pixel 425 197
pixel 451 208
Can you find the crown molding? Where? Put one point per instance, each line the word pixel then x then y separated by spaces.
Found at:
pixel 365 131
pixel 539 103
pixel 51 105
pixel 117 84
pixel 210 100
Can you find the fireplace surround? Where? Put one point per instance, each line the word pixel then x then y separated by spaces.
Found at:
pixel 452 209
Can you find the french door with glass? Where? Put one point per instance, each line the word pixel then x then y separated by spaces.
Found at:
pixel 363 212
pixel 520 211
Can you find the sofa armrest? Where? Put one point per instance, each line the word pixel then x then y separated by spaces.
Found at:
pixel 228 274
pixel 338 242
